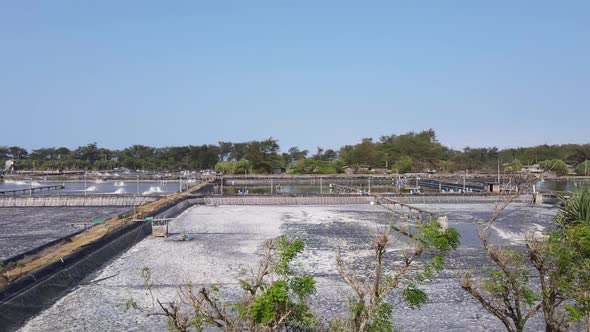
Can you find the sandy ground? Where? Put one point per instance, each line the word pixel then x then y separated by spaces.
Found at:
pixel 228 239
pixel 22 229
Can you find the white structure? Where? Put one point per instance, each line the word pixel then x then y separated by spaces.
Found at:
pixel 535 169
pixel 8 166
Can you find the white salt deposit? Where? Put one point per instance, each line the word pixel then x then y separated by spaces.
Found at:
pixel 228 239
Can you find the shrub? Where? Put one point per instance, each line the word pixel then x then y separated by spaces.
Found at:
pixel 556 166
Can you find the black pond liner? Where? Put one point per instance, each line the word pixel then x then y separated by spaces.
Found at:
pixel 40 248
pixel 38 290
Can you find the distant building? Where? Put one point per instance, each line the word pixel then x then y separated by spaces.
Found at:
pixel 364 169
pixel 495 187
pixel 534 169
pixel 279 170
pixel 348 170
pixel 8 166
pixel 571 169
pixel 378 170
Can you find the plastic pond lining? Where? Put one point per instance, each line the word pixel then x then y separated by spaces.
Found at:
pixel 38 290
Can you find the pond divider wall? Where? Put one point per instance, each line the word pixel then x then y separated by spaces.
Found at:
pixel 358 179
pixel 356 199
pixel 76 200
pixel 304 180
pixel 458 198
pixel 31 294
pixel 28 296
pixel 286 200
pixel 109 200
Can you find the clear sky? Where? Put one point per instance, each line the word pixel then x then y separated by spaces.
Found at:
pixel 308 73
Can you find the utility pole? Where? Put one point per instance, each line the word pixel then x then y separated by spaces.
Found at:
pixel 464 176
pixel 498 171
pixel 137 180
pixel 31 190
pixel 85 189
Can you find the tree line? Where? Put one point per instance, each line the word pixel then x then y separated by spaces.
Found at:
pixel 410 152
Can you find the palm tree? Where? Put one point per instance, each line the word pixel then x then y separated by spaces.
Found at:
pixel 576 209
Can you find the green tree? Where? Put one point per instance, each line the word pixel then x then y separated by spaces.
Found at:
pixel 475 158
pixel 313 166
pixel 63 153
pixel 431 241
pixel 403 165
pixel 262 155
pixel 88 152
pixel 364 154
pixel 563 262
pixel 504 288
pixel 422 148
pixel 295 154
pixel 4 152
pixel 556 166
pixel 516 165
pixel 233 167
pixel 583 169
pixel 561 256
pixel 225 149
pixel 275 298
pixel 17 152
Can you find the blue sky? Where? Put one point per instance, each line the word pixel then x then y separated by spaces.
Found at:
pixel 309 73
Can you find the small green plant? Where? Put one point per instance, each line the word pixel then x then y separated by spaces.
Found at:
pixel 275 298
pixel 19 265
pixel 368 309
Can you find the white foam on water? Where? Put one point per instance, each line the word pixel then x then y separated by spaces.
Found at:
pixel 23 183
pixel 119 184
pixel 91 188
pixel 18 183
pixel 517 238
pixel 512 237
pixel 152 190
